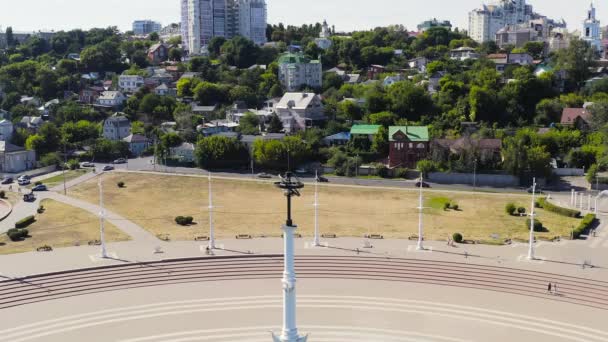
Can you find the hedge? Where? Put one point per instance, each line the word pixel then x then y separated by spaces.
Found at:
pixel 25 222
pixel 16 234
pixel 457 237
pixel 538 226
pixel 558 210
pixel 184 220
pixel 585 224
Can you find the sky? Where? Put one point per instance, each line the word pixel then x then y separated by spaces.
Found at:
pixel 346 15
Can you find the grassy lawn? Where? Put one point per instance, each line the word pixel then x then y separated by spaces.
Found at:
pixel 58 180
pixel 53 228
pixel 245 207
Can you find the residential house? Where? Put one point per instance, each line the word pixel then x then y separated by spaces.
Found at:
pixel 375 70
pixel 31 123
pixel 368 131
pixel 168 127
pixel 45 109
pixel 6 130
pixel 390 80
pixel 500 59
pixel 14 159
pixel 296 71
pixel 90 95
pixel 408 145
pixel 419 64
pixel 347 78
pixel 464 53
pixel 202 110
pixel 299 111
pixel 521 59
pixel 184 153
pixel 130 83
pixel 337 139
pixel 137 144
pixel 116 127
pixel 487 150
pixel 111 99
pixel 577 117
pixel 161 90
pixel 433 85
pixel 30 101
pixel 158 53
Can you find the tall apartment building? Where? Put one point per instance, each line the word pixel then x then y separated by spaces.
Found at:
pixel 485 22
pixel 144 27
pixel 295 71
pixel 204 19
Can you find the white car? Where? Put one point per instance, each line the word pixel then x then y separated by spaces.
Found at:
pixel 87 164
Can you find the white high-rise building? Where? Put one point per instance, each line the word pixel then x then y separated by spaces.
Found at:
pixel 485 22
pixel 591 29
pixel 143 27
pixel 204 19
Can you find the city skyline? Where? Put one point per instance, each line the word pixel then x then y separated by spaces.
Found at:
pixel 344 14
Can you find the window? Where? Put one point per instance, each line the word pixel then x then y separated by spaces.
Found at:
pixel 411 145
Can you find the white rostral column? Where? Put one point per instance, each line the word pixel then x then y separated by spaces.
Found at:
pixel 102 216
pixel 532 215
pixel 211 228
pixel 316 241
pixel 290 331
pixel 420 245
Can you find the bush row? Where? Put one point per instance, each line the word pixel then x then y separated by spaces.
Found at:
pixel 184 220
pixel 16 234
pixel 538 226
pixel 585 224
pixel 25 222
pixel 558 210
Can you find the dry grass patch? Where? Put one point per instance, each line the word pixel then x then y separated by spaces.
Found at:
pixel 61 225
pixel 246 207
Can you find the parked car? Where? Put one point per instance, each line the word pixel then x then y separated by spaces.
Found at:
pixel 538 190
pixel 108 168
pixel 424 185
pixel 24 182
pixel 301 171
pixel 24 177
pixel 7 180
pixel 40 187
pixel 322 179
pixel 29 197
pixel 87 164
pixel 120 161
pixel 264 175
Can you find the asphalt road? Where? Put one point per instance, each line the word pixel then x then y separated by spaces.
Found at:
pixel 146 164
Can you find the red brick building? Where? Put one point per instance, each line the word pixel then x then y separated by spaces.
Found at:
pixel 408 145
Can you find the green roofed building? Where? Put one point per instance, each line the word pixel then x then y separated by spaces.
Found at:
pixel 408 145
pixel 369 130
pixel 297 70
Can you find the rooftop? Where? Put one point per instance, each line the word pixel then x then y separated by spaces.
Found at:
pixel 413 133
pixel 364 129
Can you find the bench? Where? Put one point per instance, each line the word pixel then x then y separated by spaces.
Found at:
pixel 244 237
pixel 329 236
pixel 201 238
pixel 374 236
pixel 163 237
pixel 94 243
pixel 44 249
pixel 296 235
pixel 414 237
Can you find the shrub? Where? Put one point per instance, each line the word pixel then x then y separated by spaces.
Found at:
pixel 585 224
pixel 401 173
pixel 457 237
pixel 16 234
pixel 538 226
pixel 38 183
pixel 2 194
pixel 121 184
pixel 510 208
pixel 521 210
pixel 184 220
pixel 25 222
pixel 446 205
pixel 454 206
pixel 558 210
pixel 382 170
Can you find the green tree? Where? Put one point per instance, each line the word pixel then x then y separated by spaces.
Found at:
pixel 240 52
pixel 385 119
pixel 215 46
pixel 10 37
pixel 176 54
pixel 409 101
pixel 207 93
pixel 576 60
pixel 46 140
pixel 380 142
pixel 350 110
pixel 275 125
pixel 220 152
pixel 249 124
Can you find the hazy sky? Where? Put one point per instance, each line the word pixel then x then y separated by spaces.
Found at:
pixel 347 15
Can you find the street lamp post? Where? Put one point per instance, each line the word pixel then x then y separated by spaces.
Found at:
pixel 316 240
pixel 211 228
pixel 532 215
pixel 420 245
pixel 102 214
pixel 290 186
pixel 475 174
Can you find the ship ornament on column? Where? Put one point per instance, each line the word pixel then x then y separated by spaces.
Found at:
pixel 291 187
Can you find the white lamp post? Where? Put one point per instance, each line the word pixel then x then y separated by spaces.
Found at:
pixel 572 200
pixel 532 215
pixel 211 229
pixel 316 241
pixel 420 245
pixel 289 333
pixel 102 214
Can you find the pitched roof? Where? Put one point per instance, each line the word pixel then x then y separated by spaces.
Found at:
pixel 8 147
pixel 364 129
pixel 109 95
pixel 295 58
pixel 136 138
pixel 569 115
pixel 338 136
pixel 413 133
pixel 296 100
